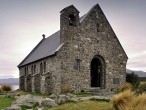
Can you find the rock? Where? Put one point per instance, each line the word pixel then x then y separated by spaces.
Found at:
pixel 40 109
pixel 12 95
pixel 70 95
pixel 52 96
pixel 48 102
pixel 23 99
pixel 26 100
pixel 62 99
pixel 13 107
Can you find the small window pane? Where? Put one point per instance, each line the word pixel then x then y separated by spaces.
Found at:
pixel 116 80
pixel 44 67
pixel 77 64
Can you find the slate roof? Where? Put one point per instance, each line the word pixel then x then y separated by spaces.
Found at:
pixel 46 47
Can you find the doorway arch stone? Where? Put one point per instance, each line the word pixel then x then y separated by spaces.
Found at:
pixel 97 72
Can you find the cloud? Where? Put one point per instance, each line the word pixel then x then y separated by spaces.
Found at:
pixel 137 61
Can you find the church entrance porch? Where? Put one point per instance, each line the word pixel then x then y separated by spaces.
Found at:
pixel 97 72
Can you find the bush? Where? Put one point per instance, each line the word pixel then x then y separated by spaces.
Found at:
pixel 6 88
pixel 65 89
pixel 133 79
pixel 142 87
pixel 125 86
pixel 122 100
pixel 128 100
pixel 139 102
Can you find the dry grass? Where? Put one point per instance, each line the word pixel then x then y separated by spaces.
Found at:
pixel 6 88
pixel 122 100
pixel 128 100
pixel 139 102
pixel 65 89
pixel 126 86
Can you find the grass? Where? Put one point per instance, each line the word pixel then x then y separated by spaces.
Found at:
pixel 84 94
pixel 5 102
pixel 84 105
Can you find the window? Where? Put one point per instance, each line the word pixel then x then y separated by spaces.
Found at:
pixel 116 80
pixel 41 68
pixel 72 20
pixel 97 27
pixel 32 70
pixel 44 67
pixel 77 64
pixel 26 71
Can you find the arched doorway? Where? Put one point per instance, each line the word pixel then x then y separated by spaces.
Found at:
pixel 97 72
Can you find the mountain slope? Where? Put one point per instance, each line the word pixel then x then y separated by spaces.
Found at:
pixel 139 73
pixel 10 81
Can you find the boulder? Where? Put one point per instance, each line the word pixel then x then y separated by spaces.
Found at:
pixel 52 96
pixel 23 99
pixel 70 95
pixel 48 102
pixel 13 107
pixel 60 99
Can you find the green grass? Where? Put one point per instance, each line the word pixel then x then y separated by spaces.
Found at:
pixel 84 105
pixel 5 102
pixel 84 94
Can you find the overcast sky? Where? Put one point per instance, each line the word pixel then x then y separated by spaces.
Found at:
pixel 22 23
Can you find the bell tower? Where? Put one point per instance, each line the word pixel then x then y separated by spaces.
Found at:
pixel 69 19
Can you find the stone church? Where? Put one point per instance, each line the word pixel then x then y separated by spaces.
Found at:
pixel 84 55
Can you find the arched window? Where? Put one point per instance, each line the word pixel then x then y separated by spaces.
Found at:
pixel 97 27
pixel 44 66
pixel 41 68
pixel 32 70
pixel 77 64
pixel 72 20
pixel 26 71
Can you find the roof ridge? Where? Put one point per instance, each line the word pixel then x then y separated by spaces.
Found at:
pixel 85 15
pixel 31 52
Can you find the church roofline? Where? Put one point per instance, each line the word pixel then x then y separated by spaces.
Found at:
pixel 58 37
pixel 53 45
pixel 71 6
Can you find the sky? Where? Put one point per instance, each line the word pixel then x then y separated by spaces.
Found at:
pixel 22 23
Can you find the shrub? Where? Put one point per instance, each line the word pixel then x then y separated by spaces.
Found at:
pixel 128 100
pixel 6 87
pixel 139 102
pixel 125 86
pixel 142 87
pixel 122 101
pixel 133 79
pixel 65 89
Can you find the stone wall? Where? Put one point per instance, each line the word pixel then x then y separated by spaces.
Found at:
pixel 93 36
pixel 44 82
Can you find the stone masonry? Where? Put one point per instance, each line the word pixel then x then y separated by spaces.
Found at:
pixel 90 57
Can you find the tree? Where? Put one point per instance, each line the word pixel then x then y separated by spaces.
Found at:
pixel 133 79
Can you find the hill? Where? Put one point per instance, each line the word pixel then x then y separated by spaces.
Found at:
pixel 139 73
pixel 10 81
